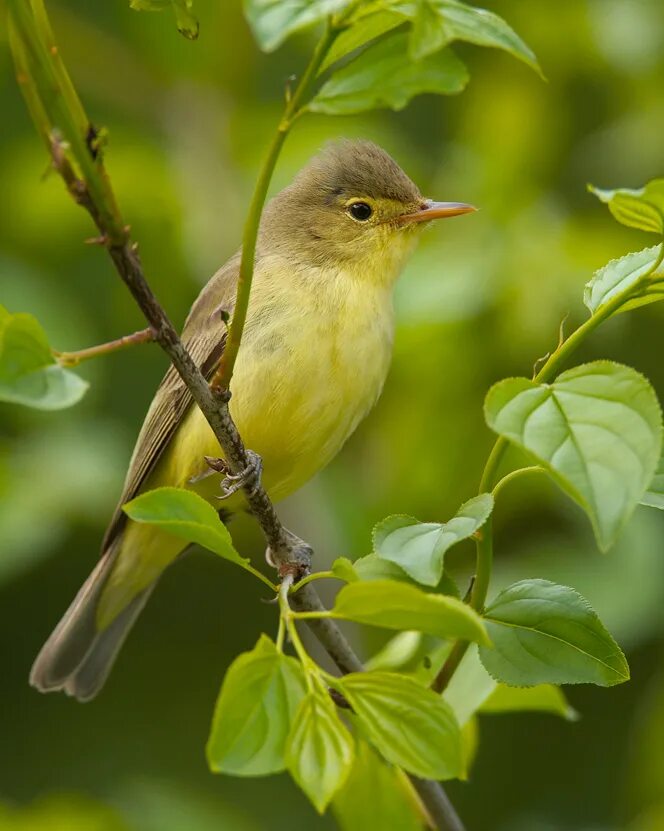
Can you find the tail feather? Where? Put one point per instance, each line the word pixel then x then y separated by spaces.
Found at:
pixel 77 658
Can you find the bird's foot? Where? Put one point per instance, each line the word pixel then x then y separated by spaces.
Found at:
pixel 233 482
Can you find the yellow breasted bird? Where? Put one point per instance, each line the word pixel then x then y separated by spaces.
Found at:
pixel 314 356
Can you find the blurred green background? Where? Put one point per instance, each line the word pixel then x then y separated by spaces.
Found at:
pixel 482 300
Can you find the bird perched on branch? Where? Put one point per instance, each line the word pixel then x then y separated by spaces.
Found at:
pixel 314 356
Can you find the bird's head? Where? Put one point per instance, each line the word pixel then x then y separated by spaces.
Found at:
pixel 352 208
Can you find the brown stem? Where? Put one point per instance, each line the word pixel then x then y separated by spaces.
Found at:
pixel 75 358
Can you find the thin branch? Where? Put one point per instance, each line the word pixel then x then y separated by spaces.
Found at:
pixel 70 359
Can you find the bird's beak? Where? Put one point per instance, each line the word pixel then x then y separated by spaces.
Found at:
pixel 436 210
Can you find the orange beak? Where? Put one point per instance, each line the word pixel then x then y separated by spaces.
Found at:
pixel 436 210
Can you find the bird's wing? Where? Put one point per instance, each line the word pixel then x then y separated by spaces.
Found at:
pixel 204 335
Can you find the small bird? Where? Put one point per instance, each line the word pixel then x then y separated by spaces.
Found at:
pixel 314 356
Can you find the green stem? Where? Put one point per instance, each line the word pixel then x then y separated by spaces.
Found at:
pixel 311 615
pixel 224 373
pixel 484 544
pixel 515 474
pixel 317 575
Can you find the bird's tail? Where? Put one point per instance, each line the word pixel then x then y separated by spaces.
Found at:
pixel 77 657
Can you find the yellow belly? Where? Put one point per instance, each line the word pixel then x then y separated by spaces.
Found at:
pixel 303 381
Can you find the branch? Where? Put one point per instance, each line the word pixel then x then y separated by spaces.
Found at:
pixel 70 359
pixel 50 95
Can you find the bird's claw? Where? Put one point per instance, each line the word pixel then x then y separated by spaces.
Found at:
pixel 233 482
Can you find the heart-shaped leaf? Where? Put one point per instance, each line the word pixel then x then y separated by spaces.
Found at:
pixel 597 430
pixel 543 633
pixel 419 547
pixel 253 717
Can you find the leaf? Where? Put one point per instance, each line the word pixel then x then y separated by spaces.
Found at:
pixel 29 374
pixel 439 22
pixel 419 547
pixel 643 208
pixel 344 570
pixel 470 742
pixel 254 712
pixel 361 33
pixel 320 749
pixel 470 686
pixel 544 698
pixel 371 774
pixel 273 21
pixel 186 22
pixel 543 633
pixel 618 275
pixel 654 496
pixel 372 567
pixel 409 724
pixel 385 76
pixel 597 430
pixel 395 605
pixel 186 515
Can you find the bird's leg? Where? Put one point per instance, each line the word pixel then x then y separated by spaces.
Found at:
pixel 232 482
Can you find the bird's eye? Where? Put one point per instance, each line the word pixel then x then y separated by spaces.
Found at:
pixel 360 211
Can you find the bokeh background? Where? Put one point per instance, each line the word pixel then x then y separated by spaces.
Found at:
pixel 483 299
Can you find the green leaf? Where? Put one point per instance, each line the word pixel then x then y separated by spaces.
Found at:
pixel 470 686
pixel 344 570
pixel 186 22
pixel 643 208
pixel 439 22
pixel 371 774
pixel 320 749
pixel 597 430
pixel 544 698
pixel 654 496
pixel 372 567
pixel 361 33
pixel 29 374
pixel 419 547
pixel 543 633
pixel 253 717
pixel 409 724
pixel 186 515
pixel 385 76
pixel 618 275
pixel 273 21
pixel 395 605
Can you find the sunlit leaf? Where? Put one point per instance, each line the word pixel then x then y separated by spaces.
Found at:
pixel 654 496
pixel 395 605
pixel 618 275
pixel 470 686
pixel 385 76
pixel 470 742
pixel 320 749
pixel 186 515
pixel 344 570
pixel 29 374
pixel 544 698
pixel 253 717
pixel 409 724
pixel 371 774
pixel 439 22
pixel 186 22
pixel 272 21
pixel 597 429
pixel 419 547
pixel 642 208
pixel 543 633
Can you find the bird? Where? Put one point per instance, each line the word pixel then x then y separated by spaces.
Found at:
pixel 313 359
